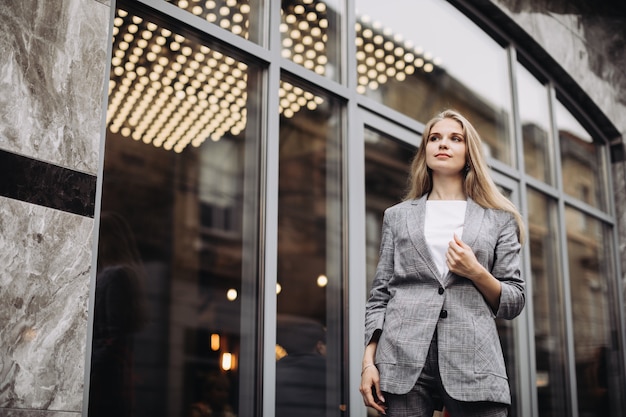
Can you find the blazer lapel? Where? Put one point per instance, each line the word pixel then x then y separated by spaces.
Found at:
pixel 415 224
pixel 473 219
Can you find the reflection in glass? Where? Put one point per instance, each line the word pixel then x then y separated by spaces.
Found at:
pixel 309 351
pixel 387 164
pixel 581 160
pixel 596 352
pixel 421 57
pixel 179 168
pixel 547 306
pixel 310 34
pixel 534 113
pixel 241 17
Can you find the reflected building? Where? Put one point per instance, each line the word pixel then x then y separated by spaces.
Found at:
pixel 252 148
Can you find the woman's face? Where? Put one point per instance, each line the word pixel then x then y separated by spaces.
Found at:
pixel 446 148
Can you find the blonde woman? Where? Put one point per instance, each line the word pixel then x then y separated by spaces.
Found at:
pixel 448 267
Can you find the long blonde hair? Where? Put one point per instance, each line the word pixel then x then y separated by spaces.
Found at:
pixel 477 183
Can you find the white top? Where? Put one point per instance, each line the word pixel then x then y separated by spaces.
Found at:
pixel 443 219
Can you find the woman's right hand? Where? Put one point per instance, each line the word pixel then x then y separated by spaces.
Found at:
pixel 370 388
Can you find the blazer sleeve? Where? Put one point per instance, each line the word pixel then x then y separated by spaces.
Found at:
pixel 379 293
pixel 506 268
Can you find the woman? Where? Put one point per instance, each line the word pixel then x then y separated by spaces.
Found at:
pixel 448 267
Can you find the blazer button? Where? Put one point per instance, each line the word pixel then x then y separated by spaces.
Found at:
pixel 440 290
pixel 443 314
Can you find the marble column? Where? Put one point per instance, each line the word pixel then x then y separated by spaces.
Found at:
pixel 52 78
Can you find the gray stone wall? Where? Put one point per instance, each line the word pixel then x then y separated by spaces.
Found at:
pixel 51 108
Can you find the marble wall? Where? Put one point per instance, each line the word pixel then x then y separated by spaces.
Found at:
pixel 52 78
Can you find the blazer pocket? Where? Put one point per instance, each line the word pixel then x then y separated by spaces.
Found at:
pixel 488 357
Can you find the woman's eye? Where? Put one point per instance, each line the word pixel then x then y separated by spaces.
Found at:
pixel 433 138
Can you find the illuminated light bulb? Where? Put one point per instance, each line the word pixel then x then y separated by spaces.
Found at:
pixel 320 7
pixel 211 17
pixel 308 64
pixel 125 132
pixel 400 76
pixel 361 89
pixel 210 4
pixel 323 23
pixel 381 67
pixel 400 65
pixel 428 67
pixel 371 74
pixel 389 46
pixel 367 33
pixel 381 79
pixel 116 61
pixel 419 62
pixel 118 71
pixel 133 58
pixel 118 21
pixel 116 31
pixel 298 59
pixel 174 46
pixel 410 69
pixel 236 29
pixel 438 61
pixel 123 45
pixel 322 59
pixel 224 23
pixel 215 342
pixel 389 59
pixel 128 37
pixel 183 4
pixel 132 28
pixel 227 362
pixel 176 66
pixel 369 48
pixel 361 69
pixel 142 43
pixel 288 113
pixel 363 80
pixel 379 53
pixel 370 61
pixel 322 281
pixel 237 18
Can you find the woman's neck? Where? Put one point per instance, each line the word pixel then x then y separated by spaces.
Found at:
pixel 447 190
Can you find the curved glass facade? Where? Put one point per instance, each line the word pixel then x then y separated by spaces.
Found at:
pixel 242 195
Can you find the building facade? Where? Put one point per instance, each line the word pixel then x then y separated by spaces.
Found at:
pixel 192 193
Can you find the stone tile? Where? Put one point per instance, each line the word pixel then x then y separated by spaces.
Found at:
pixel 44 287
pixel 7 412
pixel 51 80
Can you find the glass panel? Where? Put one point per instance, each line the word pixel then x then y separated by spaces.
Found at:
pixel 548 306
pixel 241 17
pixel 534 112
pixel 309 335
pixel 421 57
pixel 595 347
pixel 310 32
pixel 175 324
pixel 581 160
pixel 387 165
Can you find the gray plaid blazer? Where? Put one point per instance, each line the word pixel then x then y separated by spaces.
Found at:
pixel 409 301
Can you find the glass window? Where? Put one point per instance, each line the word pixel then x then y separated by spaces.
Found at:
pixel 582 163
pixel 534 111
pixel 175 323
pixel 241 17
pixel 596 351
pixel 547 306
pixel 310 32
pixel 309 334
pixel 421 57
pixel 387 165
